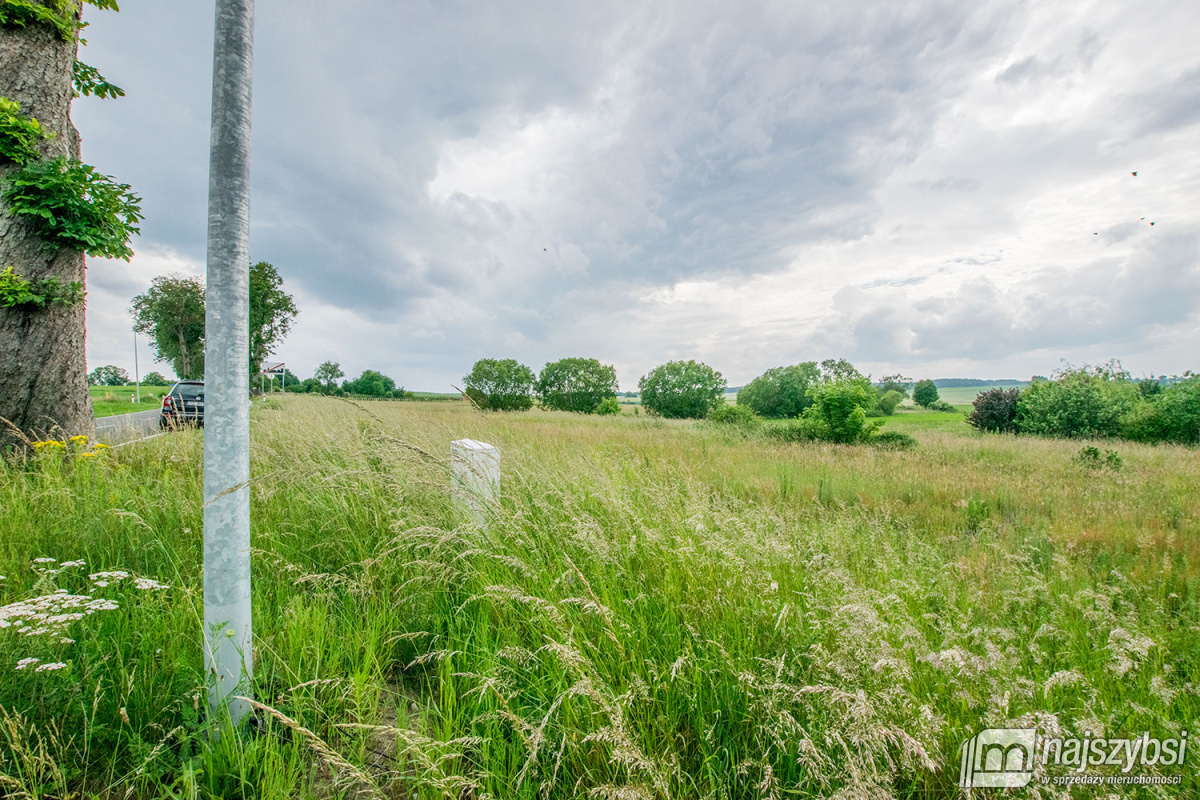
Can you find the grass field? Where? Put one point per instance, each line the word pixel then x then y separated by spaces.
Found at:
pixel 110 400
pixel 654 609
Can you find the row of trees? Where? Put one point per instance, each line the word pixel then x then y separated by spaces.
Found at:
pixel 172 313
pixel 582 385
pixel 110 375
pixel 1095 402
pixel 325 381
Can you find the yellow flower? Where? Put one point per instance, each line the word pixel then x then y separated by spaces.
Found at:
pixel 79 440
pixel 100 447
pixel 87 455
pixel 39 446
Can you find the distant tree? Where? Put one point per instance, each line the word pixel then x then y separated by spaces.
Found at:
pixel 781 391
pixel 371 384
pixel 155 379
pixel 894 383
pixel 171 312
pixel 328 374
pixel 272 312
pixel 108 376
pixel 682 389
pixel 995 411
pixel 500 385
pixel 839 370
pixel 310 386
pixel 576 384
pixel 925 393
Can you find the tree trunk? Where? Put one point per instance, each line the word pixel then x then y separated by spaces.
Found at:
pixel 43 371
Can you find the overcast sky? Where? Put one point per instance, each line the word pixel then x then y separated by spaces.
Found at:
pixel 936 188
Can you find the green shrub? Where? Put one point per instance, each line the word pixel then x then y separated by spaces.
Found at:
pixel 682 389
pixel 839 410
pixel 780 391
pixel 1172 415
pixel 1078 403
pixel 738 416
pixel 73 206
pixel 995 411
pixel 892 440
pixel 1091 458
pixel 888 401
pixel 940 405
pixel 607 407
pixel 925 393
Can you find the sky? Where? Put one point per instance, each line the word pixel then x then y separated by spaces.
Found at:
pixel 939 189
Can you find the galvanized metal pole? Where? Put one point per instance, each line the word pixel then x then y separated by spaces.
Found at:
pixel 229 649
pixel 137 378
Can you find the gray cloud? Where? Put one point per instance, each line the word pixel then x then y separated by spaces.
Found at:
pixel 442 182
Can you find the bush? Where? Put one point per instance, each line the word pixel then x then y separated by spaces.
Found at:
pixel 888 401
pixel 995 411
pixel 940 405
pixel 839 410
pixel 1078 403
pixel 739 416
pixel 500 385
pixel 682 389
pixel 892 440
pixel 576 384
pixel 1172 415
pixel 607 407
pixel 780 391
pixel 925 393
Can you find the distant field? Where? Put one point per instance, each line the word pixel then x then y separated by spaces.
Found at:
pixel 910 420
pixel 110 400
pixel 436 396
pixel 964 395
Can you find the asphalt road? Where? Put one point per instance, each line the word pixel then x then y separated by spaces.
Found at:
pixel 125 427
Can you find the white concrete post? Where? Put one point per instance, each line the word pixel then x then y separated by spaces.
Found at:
pixel 475 476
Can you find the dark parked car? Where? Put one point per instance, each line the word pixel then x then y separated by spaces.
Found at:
pixel 183 405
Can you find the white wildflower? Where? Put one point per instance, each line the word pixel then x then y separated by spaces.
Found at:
pixel 114 575
pixel 149 583
pixel 45 560
pixel 72 564
pixel 1065 677
pixel 51 667
pixel 25 662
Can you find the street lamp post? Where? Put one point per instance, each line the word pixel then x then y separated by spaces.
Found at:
pixel 228 646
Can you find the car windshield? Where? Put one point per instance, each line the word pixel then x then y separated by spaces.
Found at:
pixel 189 391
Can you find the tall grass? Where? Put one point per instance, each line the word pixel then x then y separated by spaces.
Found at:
pixel 654 609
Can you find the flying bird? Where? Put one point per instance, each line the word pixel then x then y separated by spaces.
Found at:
pixel 1135 174
pixel 1151 224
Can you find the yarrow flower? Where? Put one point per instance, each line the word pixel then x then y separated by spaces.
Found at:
pixel 25 662
pixel 51 667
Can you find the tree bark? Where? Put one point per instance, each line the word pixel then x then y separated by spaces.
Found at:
pixel 43 370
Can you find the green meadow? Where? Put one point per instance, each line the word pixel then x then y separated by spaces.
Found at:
pixel 652 609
